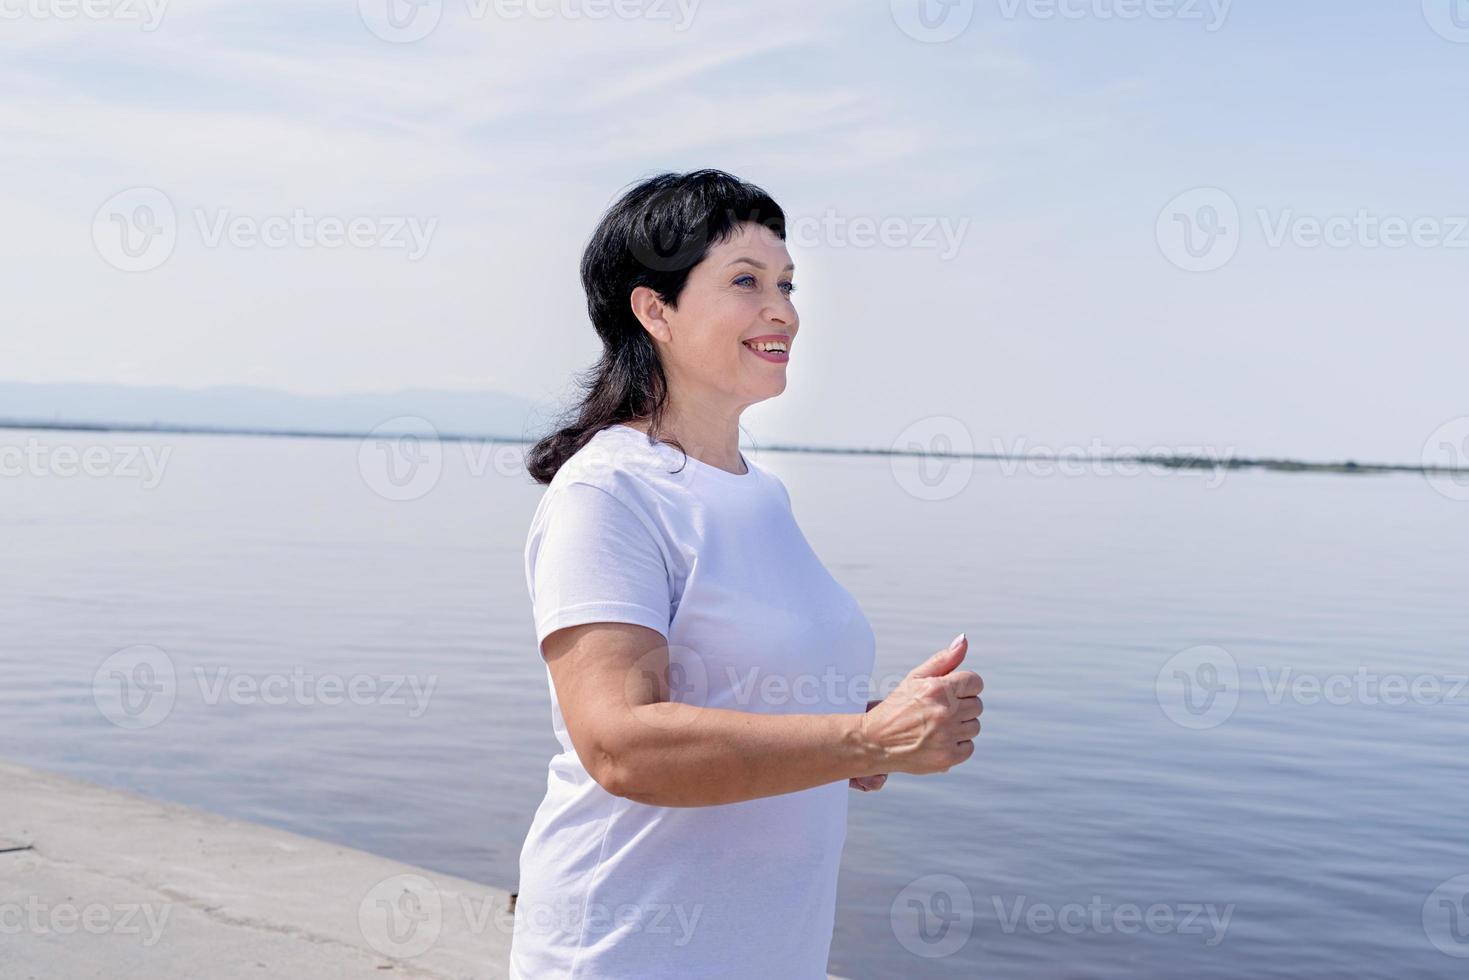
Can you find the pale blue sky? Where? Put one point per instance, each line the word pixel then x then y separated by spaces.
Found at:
pixel 1046 147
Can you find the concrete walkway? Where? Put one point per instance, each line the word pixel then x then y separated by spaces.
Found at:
pixel 99 883
pixel 102 884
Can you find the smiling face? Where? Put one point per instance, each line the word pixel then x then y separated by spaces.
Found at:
pixel 739 293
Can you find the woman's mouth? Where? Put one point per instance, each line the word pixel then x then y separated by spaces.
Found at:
pixel 776 351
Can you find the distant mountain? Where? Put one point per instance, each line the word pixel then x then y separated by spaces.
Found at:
pixel 477 413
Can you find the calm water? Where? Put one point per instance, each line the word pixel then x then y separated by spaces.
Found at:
pixel 1112 824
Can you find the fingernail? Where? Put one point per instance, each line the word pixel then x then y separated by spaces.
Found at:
pixel 957 641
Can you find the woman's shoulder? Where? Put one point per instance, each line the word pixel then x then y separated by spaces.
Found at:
pixel 614 459
pixel 602 493
pixel 657 478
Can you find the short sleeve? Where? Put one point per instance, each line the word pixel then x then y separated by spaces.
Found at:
pixel 784 492
pixel 590 559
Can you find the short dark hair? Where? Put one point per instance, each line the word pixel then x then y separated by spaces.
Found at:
pixel 654 236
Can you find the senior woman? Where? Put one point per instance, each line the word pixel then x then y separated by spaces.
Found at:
pixel 707 674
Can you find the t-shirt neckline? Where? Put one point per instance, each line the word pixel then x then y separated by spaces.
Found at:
pixel 736 478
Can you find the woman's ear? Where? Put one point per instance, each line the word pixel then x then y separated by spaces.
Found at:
pixel 652 313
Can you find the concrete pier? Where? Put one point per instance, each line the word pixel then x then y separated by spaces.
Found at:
pixel 100 883
pixel 103 884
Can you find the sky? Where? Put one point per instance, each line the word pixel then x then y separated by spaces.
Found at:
pixel 1026 224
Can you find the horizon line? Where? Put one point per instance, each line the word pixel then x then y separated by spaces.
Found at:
pixel 1171 460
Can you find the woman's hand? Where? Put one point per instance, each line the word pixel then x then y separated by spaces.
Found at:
pixel 929 722
pixel 869 784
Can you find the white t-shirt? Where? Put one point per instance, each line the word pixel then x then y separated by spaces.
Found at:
pixel 611 889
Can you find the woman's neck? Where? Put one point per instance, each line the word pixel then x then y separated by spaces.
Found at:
pixel 700 441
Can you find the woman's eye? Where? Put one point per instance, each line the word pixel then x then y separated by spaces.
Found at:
pixel 786 287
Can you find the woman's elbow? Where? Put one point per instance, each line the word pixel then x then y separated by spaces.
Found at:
pixel 623 755
pixel 614 770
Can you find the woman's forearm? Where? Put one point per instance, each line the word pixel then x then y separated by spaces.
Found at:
pixel 675 754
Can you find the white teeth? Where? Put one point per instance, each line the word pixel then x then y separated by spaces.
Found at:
pixel 770 345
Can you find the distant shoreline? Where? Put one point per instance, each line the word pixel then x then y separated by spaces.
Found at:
pixel 1179 462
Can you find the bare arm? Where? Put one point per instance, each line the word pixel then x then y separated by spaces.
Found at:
pixel 611 683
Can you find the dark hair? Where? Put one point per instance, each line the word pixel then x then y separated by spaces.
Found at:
pixel 652 236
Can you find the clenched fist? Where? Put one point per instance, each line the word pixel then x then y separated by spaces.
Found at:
pixel 929 721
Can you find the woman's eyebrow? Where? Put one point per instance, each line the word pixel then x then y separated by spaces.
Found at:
pixel 790 266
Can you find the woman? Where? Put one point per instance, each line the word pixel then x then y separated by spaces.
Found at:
pixel 708 677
